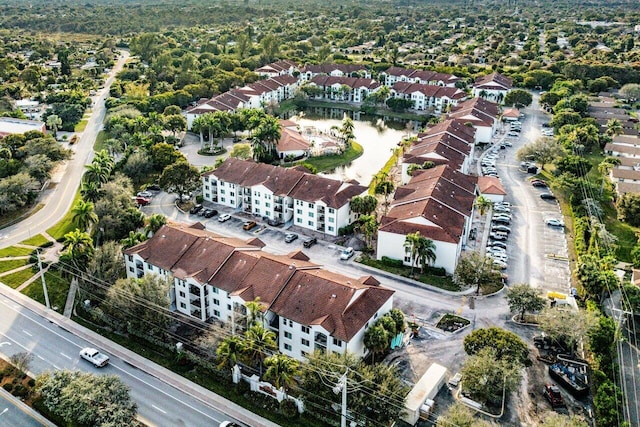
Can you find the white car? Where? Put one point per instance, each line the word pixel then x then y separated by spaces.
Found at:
pixel 224 217
pixel 94 356
pixel 346 254
pixel 505 204
pixel 554 222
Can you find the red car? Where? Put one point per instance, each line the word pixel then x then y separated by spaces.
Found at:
pixel 142 201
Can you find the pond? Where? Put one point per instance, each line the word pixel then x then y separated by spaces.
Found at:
pixel 377 140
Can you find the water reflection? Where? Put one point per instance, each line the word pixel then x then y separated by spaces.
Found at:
pixel 377 139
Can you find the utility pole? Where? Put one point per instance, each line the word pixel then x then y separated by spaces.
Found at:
pixel 342 386
pixel 44 282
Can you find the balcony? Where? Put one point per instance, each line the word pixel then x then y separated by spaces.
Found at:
pixel 277 208
pixel 320 342
pixel 194 290
pixel 196 313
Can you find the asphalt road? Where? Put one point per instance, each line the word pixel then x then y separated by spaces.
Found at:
pixel 13 414
pixel 55 348
pixel 59 200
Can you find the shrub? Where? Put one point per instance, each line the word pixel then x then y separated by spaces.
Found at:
pixel 20 391
pixel 32 382
pixel 8 387
pixel 391 262
pixel 289 409
pixel 346 230
pixel 436 271
pixel 46 245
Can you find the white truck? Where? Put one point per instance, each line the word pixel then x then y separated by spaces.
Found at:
pixel 94 356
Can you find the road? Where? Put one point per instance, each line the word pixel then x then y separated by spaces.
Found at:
pixel 59 200
pixel 55 345
pixel 14 413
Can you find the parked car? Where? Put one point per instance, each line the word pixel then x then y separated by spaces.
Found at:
pixel 94 356
pixel 501 220
pixel 195 209
pixel 145 194
pixel 210 213
pixel 547 196
pixel 501 228
pixel 290 237
pixel 310 241
pixel 495 244
pixel 248 225
pixel 554 222
pixel 346 254
pixel 537 183
pixel 552 393
pixel 505 204
pixel 224 217
pixel 498 236
pixel 455 380
pixel 142 201
pixel 230 424
pixel 508 143
pixel 501 209
pixel 154 187
pixel 501 216
pixel 500 264
pixel 513 133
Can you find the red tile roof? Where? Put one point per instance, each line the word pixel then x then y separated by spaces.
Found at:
pixel 352 82
pixel 493 80
pixel 329 68
pixel 423 75
pixel 490 185
pixel 431 91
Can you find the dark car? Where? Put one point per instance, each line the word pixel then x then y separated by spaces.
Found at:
pixel 210 213
pixel 197 208
pixel 547 196
pixel 154 187
pixel 553 395
pixel 309 242
pixel 539 184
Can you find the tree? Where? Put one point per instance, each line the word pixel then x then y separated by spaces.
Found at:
pixel 281 370
pixel 483 204
pixel 506 345
pixel 363 205
pixel 630 91
pixel 54 122
pixel 476 270
pixel 368 226
pixel 565 117
pixel 21 361
pixel 522 298
pixel 347 130
pixel 83 215
pixel 230 352
pixel 175 123
pixel 77 248
pixel 629 209
pixel 567 326
pixel 154 223
pixel 96 173
pixel 81 398
pixel 181 178
pixel 411 245
pixel 105 267
pixel 614 127
pixel 543 150
pixel 518 98
pixel 241 151
pixel 377 340
pixel 385 187
pixel 140 306
pixel 459 415
pixel 487 379
pixel 133 239
pixel 164 154
pixel 259 340
pixel 575 165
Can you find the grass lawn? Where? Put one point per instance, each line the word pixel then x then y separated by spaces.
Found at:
pixel 65 225
pixel 14 251
pixel 82 124
pixel 328 163
pixel 100 139
pixel 442 282
pixel 38 240
pixel 11 264
pixel 16 279
pixel 57 287
pixel 386 168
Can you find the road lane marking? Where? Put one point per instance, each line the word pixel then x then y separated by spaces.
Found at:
pixel 57 368
pixel 155 407
pixel 27 333
pixel 68 357
pixel 40 357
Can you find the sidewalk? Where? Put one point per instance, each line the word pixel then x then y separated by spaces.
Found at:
pixel 176 381
pixel 26 409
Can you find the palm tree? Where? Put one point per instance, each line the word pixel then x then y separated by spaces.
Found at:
pixel 83 215
pixel 411 243
pixel 347 129
pixel 377 339
pixel 133 239
pixel 281 370
pixel 254 309
pixel 90 191
pixel 367 225
pixel 483 204
pixel 426 252
pixel 614 127
pixel 605 167
pixel 268 132
pixel 230 352
pixel 96 173
pixel 259 341
pixel 155 222
pixel 78 248
pixel 199 125
pixel 103 158
pixel 53 123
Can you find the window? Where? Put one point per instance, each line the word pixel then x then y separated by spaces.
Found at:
pixel 311 214
pixel 332 219
pixel 303 353
pixel 257 202
pixel 206 187
pixel 222 199
pixel 222 191
pixel 305 329
pixel 216 290
pixel 216 302
pixel 299 211
pixel 216 313
pixel 131 269
pixel 130 258
pixel 287 335
pixel 305 342
pixel 337 342
pixel 287 347
pixel 299 220
pixel 256 211
pixel 182 295
pixel 183 305
pixel 290 323
pixel 330 228
pixel 310 205
pixel 267 204
pixel 232 194
pixel 229 308
pixel 149 266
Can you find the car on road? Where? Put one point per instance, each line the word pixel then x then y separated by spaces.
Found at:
pixel 547 196
pixel 537 183
pixel 145 194
pixel 290 237
pixel 501 228
pixel 195 209
pixel 94 356
pixel 142 201
pixel 248 225
pixel 309 241
pixel 224 217
pixel 554 222
pixel 210 213
pixel 552 393
pixel 346 254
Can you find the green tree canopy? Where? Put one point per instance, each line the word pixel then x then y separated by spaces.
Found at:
pixel 181 178
pixel 518 98
pixel 522 298
pixel 506 345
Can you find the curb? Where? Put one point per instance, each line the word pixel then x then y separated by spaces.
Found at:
pixel 26 408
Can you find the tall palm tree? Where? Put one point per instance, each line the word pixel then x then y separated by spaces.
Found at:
pixel 133 239
pixel 105 159
pixel 614 127
pixel 83 215
pixel 259 341
pixel 90 191
pixel 483 204
pixel 96 173
pixel 269 132
pixel 53 123
pixel 281 370
pixel 426 252
pixel 411 243
pixel 231 351
pixel 155 222
pixel 78 248
pixel 200 125
pixel 254 309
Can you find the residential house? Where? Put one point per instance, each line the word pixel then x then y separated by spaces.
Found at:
pixel 254 95
pixel 10 125
pixel 344 89
pixel 428 97
pixel 213 278
pixel 283 194
pixel 397 74
pixel 437 202
pixel 292 143
pixel 491 188
pixel 278 68
pixel 336 70
pixel 494 87
pixel 31 109
pixel 483 115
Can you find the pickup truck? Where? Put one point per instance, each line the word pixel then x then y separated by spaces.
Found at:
pixel 94 356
